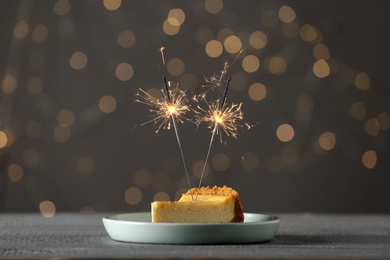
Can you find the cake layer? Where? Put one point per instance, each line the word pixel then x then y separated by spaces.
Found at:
pixel 212 205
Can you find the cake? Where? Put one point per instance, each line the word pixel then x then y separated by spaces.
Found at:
pixel 204 205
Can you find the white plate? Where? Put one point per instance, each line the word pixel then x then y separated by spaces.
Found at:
pixel 138 228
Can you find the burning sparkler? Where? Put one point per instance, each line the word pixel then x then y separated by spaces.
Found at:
pixel 174 104
pixel 171 108
pixel 220 118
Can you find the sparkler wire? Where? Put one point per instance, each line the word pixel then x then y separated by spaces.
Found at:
pixel 178 137
pixel 212 137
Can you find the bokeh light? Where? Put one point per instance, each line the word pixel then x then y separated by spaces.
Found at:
pixel 214 48
pixel 112 5
pixel 232 44
pixel 257 91
pixel 250 63
pixel 133 195
pixel 213 6
pixel 175 66
pixel 369 159
pixel 220 162
pixel 286 14
pixel 124 71
pixel 285 132
pixel 362 81
pixel 78 60
pixel 107 104
pixel 327 141
pixel 47 208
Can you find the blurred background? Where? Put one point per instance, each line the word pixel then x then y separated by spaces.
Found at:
pixel 312 79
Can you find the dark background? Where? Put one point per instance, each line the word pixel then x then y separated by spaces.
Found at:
pixel 103 161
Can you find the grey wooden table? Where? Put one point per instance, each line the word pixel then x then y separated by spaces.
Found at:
pixel 300 236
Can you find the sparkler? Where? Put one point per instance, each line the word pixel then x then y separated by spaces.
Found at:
pixel 171 108
pixel 220 118
pixel 174 104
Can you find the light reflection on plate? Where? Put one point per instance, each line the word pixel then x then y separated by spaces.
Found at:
pixel 138 228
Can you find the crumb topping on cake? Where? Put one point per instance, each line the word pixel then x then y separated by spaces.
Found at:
pixel 222 191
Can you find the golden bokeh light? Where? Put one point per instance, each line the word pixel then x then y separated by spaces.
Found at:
pixel 126 39
pixel 258 40
pixel 170 29
pixel 78 60
pixel 197 168
pixel 220 162
pixel 9 83
pixel 285 132
pixel 249 161
pixel 47 208
pixel 305 103
pixel 15 172
pixel 327 141
pixel 369 159
pixel 250 63
pixel 384 121
pixel 270 18
pixel 308 33
pixel 86 165
pixel 176 17
pixel 362 81
pixel 34 85
pixel 213 6
pixel 257 91
pixel 175 66
pixel 286 14
pixel 358 110
pixel 9 136
pixel 3 139
pixel 65 117
pixel 161 196
pixel 107 104
pixel 112 5
pixel 372 126
pixel 321 69
pixel 143 177
pixel 124 71
pixel 21 29
pixel 232 44
pixel 276 65
pixel 61 7
pixel 62 133
pixel 40 33
pixel 33 129
pixel 321 52
pixel 214 48
pixel 133 195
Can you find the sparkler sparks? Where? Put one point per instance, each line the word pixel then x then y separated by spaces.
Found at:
pixel 173 103
pixel 216 81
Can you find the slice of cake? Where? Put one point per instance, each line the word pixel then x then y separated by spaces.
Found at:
pixel 212 205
